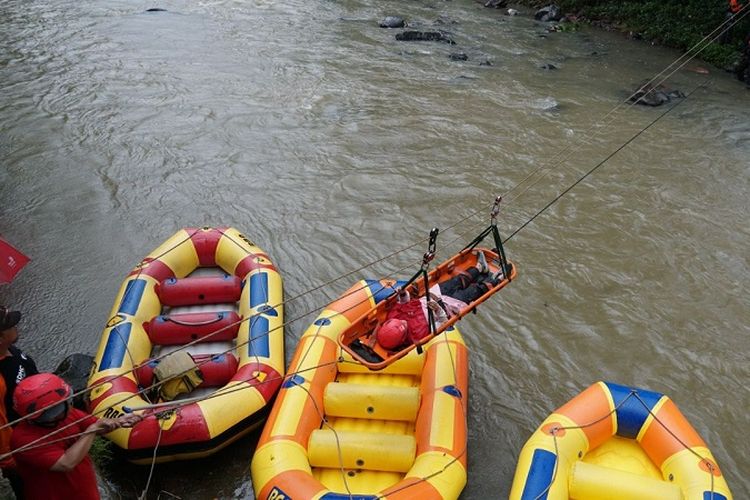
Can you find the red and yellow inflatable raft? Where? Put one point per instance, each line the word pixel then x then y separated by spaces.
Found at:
pixel 618 443
pixel 211 288
pixel 340 430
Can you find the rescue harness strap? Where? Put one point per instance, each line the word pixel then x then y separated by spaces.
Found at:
pixel 492 228
pixel 426 259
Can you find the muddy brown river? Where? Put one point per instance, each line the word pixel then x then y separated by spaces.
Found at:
pixel 333 145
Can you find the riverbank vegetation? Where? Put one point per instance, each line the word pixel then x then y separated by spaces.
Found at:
pixel 674 23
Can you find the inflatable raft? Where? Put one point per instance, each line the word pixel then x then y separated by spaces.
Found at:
pixel 618 443
pixel 340 430
pixel 212 293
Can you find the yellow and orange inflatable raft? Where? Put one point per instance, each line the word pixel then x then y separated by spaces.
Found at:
pixel 339 430
pixel 215 294
pixel 618 443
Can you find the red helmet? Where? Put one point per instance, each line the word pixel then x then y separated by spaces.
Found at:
pixel 392 334
pixel 39 392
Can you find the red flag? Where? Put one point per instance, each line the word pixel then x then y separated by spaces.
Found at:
pixel 11 261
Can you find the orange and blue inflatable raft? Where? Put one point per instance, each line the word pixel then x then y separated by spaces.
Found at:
pixel 218 296
pixel 340 430
pixel 618 443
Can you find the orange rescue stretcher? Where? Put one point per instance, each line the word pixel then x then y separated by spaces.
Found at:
pixel 359 338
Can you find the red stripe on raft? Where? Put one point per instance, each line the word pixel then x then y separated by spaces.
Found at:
pixel 190 427
pixel 205 242
pixel 267 386
pixel 154 268
pixel 120 385
pixel 250 263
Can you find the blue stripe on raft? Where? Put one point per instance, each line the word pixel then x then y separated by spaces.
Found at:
pixel 259 344
pixel 379 292
pixel 539 479
pixel 117 346
pixel 631 414
pixel 343 496
pixel 708 495
pixel 131 299
pixel 258 289
pixel 292 381
pixel 268 311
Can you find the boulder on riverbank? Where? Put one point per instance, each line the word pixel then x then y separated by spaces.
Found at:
pixel 549 13
pixel 494 4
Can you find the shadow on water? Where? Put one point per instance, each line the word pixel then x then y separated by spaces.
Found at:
pixel 225 474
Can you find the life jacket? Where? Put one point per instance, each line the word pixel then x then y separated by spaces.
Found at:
pixel 412 313
pixel 179 375
pixel 734 6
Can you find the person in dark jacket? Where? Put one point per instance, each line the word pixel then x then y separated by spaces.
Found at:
pixel 14 367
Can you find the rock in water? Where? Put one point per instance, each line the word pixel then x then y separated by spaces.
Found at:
pixel 424 36
pixel 392 22
pixel 649 94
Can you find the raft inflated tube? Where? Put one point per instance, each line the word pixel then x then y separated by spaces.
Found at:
pixel 199 290
pixel 612 426
pixel 363 401
pixel 286 458
pixel 216 370
pixel 361 450
pixel 204 424
pixel 589 481
pixel 176 329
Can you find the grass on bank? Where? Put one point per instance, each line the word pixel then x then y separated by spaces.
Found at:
pixel 679 24
pixel 101 452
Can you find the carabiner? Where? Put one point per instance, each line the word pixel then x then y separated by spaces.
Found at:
pixel 495 210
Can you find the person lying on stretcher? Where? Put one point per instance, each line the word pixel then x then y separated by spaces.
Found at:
pixel 408 323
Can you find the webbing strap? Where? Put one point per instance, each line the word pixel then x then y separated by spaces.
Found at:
pixel 492 228
pixel 426 259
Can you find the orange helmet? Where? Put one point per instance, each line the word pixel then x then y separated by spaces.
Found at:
pixel 392 334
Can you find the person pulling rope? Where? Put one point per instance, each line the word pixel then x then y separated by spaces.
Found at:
pixel 59 468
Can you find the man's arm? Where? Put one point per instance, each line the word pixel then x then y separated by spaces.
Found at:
pixel 76 453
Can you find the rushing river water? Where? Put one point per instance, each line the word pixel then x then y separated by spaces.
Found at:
pixel 332 145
